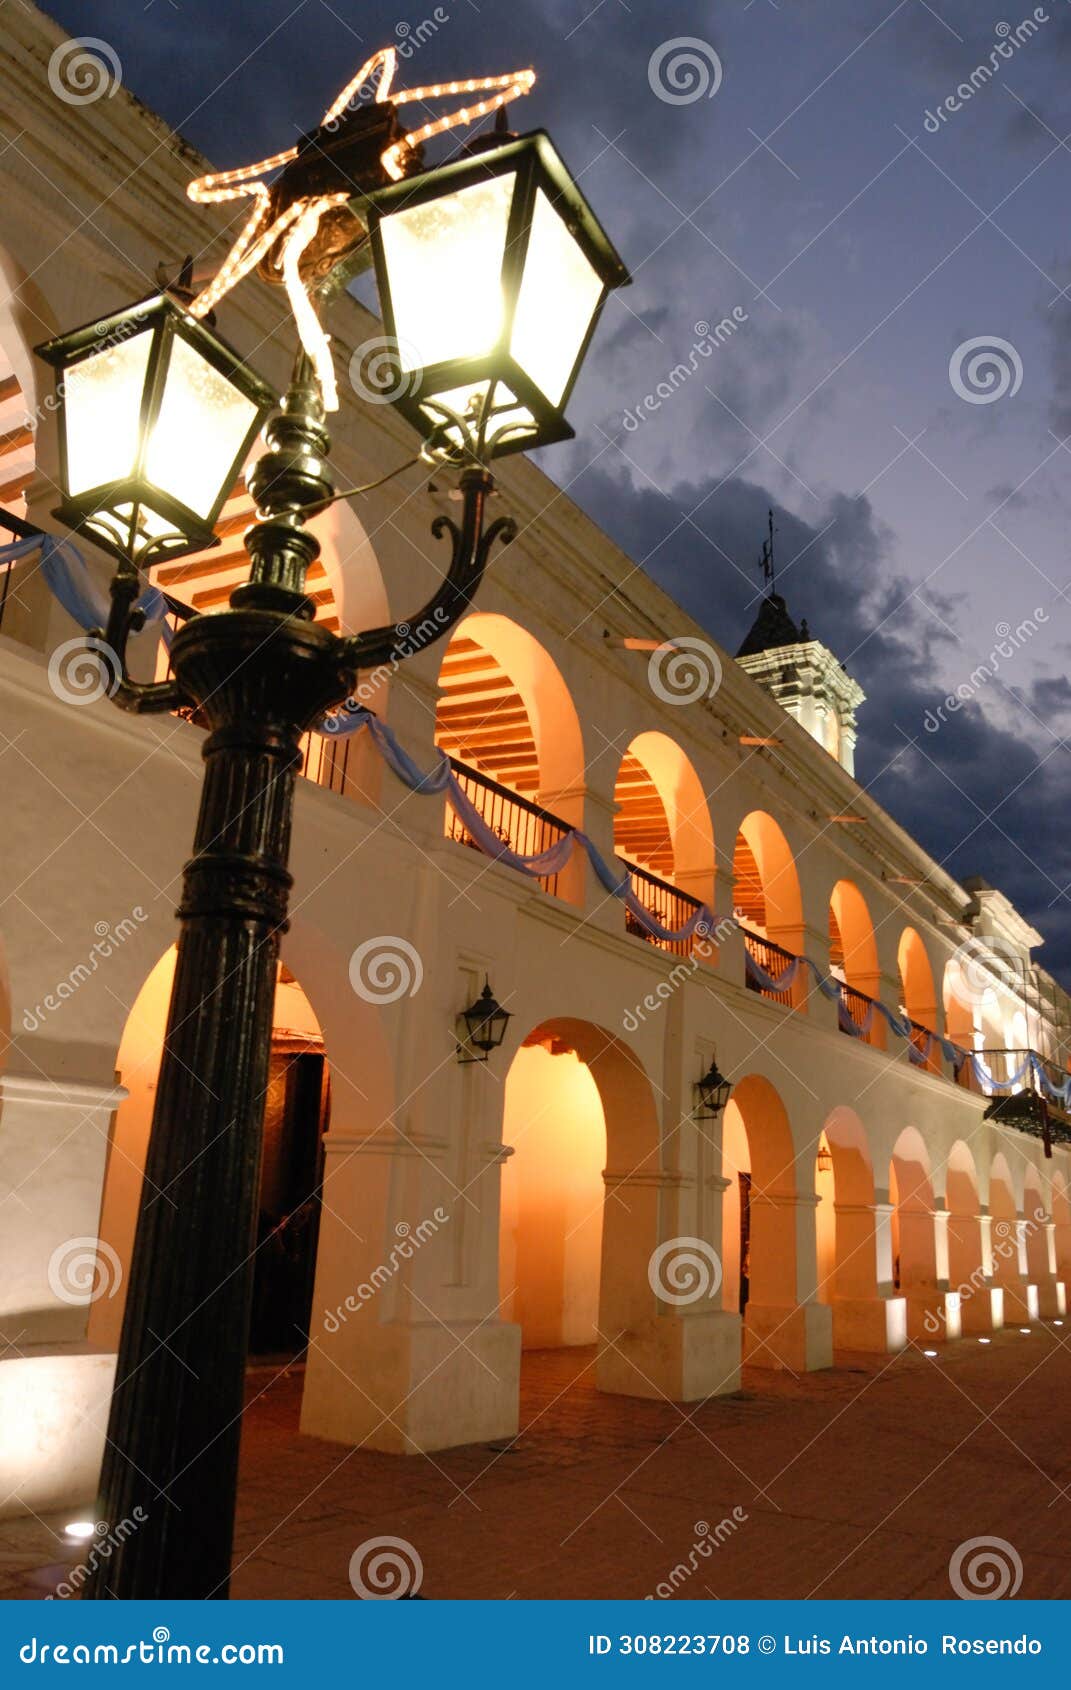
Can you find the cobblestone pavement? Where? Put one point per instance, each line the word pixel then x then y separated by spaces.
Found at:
pixel 857 1482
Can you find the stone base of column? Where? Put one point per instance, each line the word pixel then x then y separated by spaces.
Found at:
pixel 933 1315
pixel 800 1339
pixel 1020 1302
pixel 54 1410
pixel 982 1311
pixel 418 1388
pixel 1052 1299
pixel 876 1325
pixel 685 1357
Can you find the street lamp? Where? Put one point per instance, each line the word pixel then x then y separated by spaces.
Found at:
pixel 263 672
pixel 491 274
pixel 156 418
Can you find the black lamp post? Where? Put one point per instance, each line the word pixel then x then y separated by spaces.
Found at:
pixel 151 440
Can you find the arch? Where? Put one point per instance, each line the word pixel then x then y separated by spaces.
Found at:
pixel 296 1115
pixel 759 1209
pixel 853 954
pixel 27 403
pixel 505 715
pixel 768 903
pixel 960 1015
pixel 766 887
pixel 1008 1242
pixel 911 1193
pixel 663 822
pixel 580 1115
pixel 504 707
pixel 1035 1216
pixel 853 1259
pixel 966 1260
pixel 918 992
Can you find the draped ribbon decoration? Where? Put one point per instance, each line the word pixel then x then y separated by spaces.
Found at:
pixel 1056 1094
pixel 67 574
pixel 442 779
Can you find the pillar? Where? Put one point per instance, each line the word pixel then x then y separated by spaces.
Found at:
pixel 863 1318
pixel 780 1332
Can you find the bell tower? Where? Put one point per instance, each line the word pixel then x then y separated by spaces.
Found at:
pixel 799 671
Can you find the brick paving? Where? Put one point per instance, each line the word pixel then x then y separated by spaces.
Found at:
pixel 856 1482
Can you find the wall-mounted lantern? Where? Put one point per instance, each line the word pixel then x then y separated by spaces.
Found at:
pixel 711 1093
pixel 481 1027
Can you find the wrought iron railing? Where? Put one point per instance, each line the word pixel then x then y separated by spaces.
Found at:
pixel 859 1010
pixel 923 1050
pixel 772 959
pixel 525 827
pixel 668 904
pixel 18 529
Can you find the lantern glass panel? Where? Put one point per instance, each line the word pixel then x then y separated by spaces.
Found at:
pixel 444 264
pixel 102 413
pixel 199 429
pixel 559 294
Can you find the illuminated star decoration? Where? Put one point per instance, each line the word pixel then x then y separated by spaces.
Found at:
pixel 283 225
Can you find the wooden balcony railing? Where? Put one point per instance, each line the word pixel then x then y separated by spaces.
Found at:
pixel 522 825
pixel 772 959
pixel 669 906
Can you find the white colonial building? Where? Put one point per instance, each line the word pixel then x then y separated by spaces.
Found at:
pixel 425 1219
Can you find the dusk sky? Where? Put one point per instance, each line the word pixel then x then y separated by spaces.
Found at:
pixel 808 172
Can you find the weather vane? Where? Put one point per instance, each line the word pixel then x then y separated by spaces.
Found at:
pixel 302 224
pixel 766 562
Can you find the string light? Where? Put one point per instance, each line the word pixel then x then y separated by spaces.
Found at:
pixel 295 227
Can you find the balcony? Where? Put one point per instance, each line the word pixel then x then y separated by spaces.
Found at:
pixel 1027 1109
pixel 518 822
pixel 669 906
pixel 773 960
pixel 857 1014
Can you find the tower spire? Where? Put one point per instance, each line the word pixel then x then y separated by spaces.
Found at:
pixel 766 562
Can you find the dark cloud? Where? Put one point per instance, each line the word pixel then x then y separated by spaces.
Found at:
pixel 981 798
